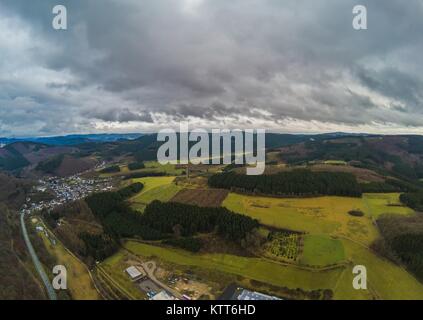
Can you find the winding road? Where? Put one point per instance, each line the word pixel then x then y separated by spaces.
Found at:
pixel 50 291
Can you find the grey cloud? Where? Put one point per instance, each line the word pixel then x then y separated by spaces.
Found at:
pixel 118 115
pixel 257 60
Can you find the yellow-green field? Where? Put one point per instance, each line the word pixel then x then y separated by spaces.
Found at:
pixel 322 215
pixel 150 166
pixel 79 282
pixel 385 280
pixel 155 188
pixel 252 268
pixel 152 182
pixel 381 203
pixel 322 250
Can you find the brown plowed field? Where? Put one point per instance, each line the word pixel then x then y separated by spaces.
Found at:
pixel 201 197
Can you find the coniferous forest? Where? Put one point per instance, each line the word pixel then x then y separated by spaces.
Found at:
pixel 165 220
pixel 403 238
pixel 290 183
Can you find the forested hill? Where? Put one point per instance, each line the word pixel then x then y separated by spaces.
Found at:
pixel 400 156
pixel 290 183
pixel 13 191
pixel 16 281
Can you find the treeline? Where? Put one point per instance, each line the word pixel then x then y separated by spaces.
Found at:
pixel 99 246
pixel 16 280
pixel 137 175
pixel 117 217
pixel 187 220
pixel 174 223
pixel 111 169
pixel 413 200
pixel 163 220
pixel 189 244
pixel 403 241
pixel 136 165
pixel 297 182
pixel 389 185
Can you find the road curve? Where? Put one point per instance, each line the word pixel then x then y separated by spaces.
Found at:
pixel 50 291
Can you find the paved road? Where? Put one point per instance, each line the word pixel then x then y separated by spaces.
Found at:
pixel 50 291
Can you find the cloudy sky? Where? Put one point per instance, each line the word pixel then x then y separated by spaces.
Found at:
pixel 143 65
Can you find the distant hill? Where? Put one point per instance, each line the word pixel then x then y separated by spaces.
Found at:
pixel 73 139
pixel 22 154
pixel 398 155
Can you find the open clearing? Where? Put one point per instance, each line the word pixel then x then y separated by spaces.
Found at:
pixel 385 279
pixel 150 166
pixel 322 215
pixel 201 197
pixel 322 250
pixel 155 188
pixel 80 284
pixel 328 216
pixel 382 203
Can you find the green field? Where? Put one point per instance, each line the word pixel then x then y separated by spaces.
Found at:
pixel 328 216
pixel 169 169
pixel 150 166
pixel 155 188
pixel 332 236
pixel 253 268
pixel 385 280
pixel 322 250
pixel 322 215
pixel 382 203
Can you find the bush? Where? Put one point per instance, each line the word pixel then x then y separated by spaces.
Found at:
pixel 112 169
pixel 356 213
pixel 190 244
pixel 136 166
pixel 413 200
pixel 144 174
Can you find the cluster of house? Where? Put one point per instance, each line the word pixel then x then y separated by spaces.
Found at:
pixel 64 190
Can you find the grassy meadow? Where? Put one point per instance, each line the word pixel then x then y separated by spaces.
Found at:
pixel 385 280
pixel 80 283
pixel 155 188
pixel 253 268
pixel 322 250
pixel 321 215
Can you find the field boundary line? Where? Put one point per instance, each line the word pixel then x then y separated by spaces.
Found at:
pixel 115 284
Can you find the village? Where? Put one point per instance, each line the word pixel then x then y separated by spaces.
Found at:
pixel 56 191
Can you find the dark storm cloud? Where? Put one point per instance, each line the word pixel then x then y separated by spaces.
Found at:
pixel 396 84
pixel 260 62
pixel 118 115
